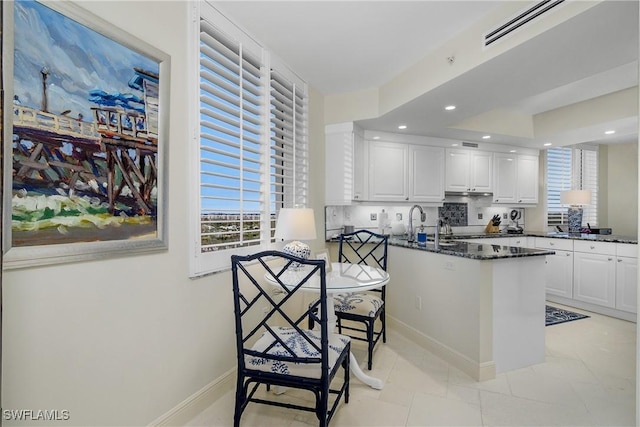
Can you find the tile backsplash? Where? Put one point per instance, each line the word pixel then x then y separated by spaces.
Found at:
pixel 466 215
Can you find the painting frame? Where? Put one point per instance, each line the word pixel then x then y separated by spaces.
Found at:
pixel 128 240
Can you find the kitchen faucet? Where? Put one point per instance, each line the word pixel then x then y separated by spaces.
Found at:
pixel 423 217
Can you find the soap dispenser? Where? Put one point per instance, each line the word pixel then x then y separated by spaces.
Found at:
pixel 422 236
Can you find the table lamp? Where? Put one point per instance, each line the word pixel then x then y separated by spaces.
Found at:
pixel 575 199
pixel 296 224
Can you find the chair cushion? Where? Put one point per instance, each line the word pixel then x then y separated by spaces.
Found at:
pixel 362 304
pixel 301 348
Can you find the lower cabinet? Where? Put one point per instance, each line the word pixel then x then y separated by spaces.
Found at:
pixel 559 274
pixel 594 277
pixel 627 284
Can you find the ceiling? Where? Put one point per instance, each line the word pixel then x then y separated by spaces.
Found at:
pixel 346 46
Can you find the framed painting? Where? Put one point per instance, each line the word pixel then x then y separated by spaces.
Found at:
pixel 85 129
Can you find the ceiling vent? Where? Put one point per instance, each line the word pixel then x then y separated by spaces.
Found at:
pixel 469 144
pixel 520 20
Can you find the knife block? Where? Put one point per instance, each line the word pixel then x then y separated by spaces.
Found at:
pixel 490 228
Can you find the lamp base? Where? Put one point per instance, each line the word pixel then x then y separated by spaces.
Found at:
pixel 297 249
pixel 575 219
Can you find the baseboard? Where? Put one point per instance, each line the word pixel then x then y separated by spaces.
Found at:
pixel 197 402
pixel 478 371
pixel 612 312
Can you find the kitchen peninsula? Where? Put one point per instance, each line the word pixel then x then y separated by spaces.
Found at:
pixel 479 306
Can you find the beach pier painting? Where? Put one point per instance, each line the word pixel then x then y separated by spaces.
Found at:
pixel 86 132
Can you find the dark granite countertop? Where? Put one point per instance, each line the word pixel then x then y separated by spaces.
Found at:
pixel 479 251
pixel 595 237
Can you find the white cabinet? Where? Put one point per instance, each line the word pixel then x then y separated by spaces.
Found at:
pixel 360 169
pixel 426 174
pixel 558 267
pixel 527 183
pixel 388 171
pixel 468 170
pixel 594 273
pixel 626 277
pixel 515 179
pixel 345 160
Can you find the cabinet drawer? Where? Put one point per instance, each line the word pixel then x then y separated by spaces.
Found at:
pixel 604 248
pixel 627 249
pixel 559 244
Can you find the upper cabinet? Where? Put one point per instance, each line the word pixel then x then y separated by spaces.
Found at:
pixel 426 174
pixel 405 172
pixel 412 169
pixel 388 171
pixel 468 170
pixel 515 179
pixel 345 164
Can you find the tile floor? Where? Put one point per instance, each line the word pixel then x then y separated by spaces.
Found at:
pixel 588 379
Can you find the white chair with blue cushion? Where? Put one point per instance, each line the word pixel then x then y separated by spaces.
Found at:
pixel 272 347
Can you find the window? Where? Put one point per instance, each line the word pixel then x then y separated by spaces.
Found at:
pixel 253 149
pixel 571 168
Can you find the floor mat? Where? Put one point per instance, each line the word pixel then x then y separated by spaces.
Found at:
pixel 555 316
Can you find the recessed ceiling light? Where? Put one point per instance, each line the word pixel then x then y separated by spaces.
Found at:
pixel 402 127
pixel 547 144
pixel 450 107
pixel 376 137
pixel 486 137
pixel 454 145
pixel 610 132
pixel 513 151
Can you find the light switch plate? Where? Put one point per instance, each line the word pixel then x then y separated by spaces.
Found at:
pixel 479 216
pixel 374 217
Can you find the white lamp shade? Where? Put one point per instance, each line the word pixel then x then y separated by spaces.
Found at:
pixel 575 197
pixel 296 224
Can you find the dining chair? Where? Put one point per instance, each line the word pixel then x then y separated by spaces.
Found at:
pixel 363 247
pixel 273 348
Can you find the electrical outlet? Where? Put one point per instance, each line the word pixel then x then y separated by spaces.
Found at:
pixel 504 215
pixel 479 216
pixel 373 217
pixel 399 216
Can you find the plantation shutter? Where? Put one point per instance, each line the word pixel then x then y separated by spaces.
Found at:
pixel 231 158
pixel 558 179
pixel 288 144
pixel 252 143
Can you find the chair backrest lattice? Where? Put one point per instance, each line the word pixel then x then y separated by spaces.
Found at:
pixel 364 247
pixel 257 309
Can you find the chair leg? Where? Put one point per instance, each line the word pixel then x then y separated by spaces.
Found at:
pixel 384 326
pixel 370 324
pixel 241 396
pixel 347 376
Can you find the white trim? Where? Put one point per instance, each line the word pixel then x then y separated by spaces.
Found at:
pixel 192 406
pixel 479 371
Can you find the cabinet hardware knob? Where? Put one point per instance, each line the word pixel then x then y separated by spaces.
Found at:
pixel 609 259
pixel 551 244
pixel 568 254
pixel 406 198
pixel 619 260
pixel 519 201
pixel 592 247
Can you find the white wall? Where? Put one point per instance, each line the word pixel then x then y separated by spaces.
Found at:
pixel 123 341
pixel 621 186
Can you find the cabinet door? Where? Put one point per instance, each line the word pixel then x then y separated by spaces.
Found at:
pixel 527 187
pixel 505 178
pixel 388 171
pixel 360 172
pixel 481 177
pixel 339 158
pixel 426 173
pixel 594 278
pixel 626 284
pixel 457 170
pixel 559 274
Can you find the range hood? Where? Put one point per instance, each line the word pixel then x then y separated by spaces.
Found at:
pixel 469 193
